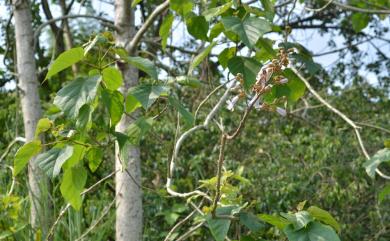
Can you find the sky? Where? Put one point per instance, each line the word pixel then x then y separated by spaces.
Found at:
pixel 310 39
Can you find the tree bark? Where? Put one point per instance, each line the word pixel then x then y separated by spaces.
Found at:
pixel 31 108
pixel 128 193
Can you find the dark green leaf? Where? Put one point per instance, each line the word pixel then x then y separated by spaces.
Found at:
pixel 188 117
pixel 219 227
pixel 84 118
pixel 75 94
pixel 112 77
pixel 313 232
pixel 197 26
pixel 251 221
pixel 147 94
pixel 138 129
pixel 24 154
pixel 114 101
pixel 73 184
pixel 246 66
pixel 65 60
pixel 143 64
pixel 249 30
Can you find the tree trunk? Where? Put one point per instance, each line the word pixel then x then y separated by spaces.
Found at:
pixel 31 108
pixel 128 193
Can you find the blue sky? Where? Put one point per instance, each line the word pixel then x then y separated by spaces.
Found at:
pixel 308 38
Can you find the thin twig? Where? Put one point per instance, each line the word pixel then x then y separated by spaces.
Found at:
pixel 190 231
pixel 354 126
pixel 62 212
pixel 206 99
pixel 361 10
pixel 219 174
pixel 8 149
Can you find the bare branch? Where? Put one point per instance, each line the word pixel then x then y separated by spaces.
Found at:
pixel 361 10
pixel 354 126
pixel 131 46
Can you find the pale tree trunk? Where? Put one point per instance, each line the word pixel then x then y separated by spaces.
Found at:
pixel 128 193
pixel 31 108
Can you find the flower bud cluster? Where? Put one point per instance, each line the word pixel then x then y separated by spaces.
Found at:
pixel 268 76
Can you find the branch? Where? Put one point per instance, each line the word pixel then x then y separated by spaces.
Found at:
pixel 180 141
pixel 104 21
pixel 361 10
pixel 340 114
pixel 7 150
pixel 132 45
pixel 62 212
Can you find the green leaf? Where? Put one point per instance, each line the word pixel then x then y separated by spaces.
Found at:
pixel 186 81
pixel 197 26
pixel 114 101
pixel 73 184
pixel 65 60
pixel 95 158
pixel 216 30
pixel 143 64
pixel 24 154
pixel 134 3
pixel 78 154
pixel 269 9
pixel 359 21
pixel 188 117
pixel 313 232
pixel 147 94
pixel 249 30
pixel 138 129
pixel 112 77
pixel 200 57
pixel 372 164
pixel 251 221
pixel 383 193
pixel 293 90
pixel 182 7
pixel 213 12
pixel 84 118
pixel 324 216
pixel 276 221
pixel 132 104
pixel 46 160
pixel 43 125
pixel 299 219
pixel 75 94
pixel 225 56
pixel 219 227
pixel 246 66
pixel 62 157
pixel 165 29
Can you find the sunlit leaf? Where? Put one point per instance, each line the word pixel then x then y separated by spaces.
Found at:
pixel 165 29
pixel 379 157
pixel 112 78
pixel 324 216
pixel 73 184
pixel 114 102
pixel 65 60
pixel 24 154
